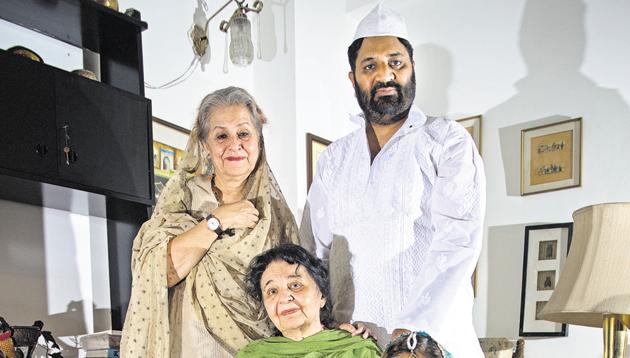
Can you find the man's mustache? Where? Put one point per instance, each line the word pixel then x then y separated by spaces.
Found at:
pixel 380 85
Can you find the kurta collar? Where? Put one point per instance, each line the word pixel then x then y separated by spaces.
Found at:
pixel 415 119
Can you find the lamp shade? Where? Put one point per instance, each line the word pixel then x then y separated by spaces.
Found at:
pixel 596 277
pixel 241 46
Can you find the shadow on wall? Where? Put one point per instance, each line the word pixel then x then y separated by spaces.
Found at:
pixel 67 326
pixel 552 42
pixel 41 272
pixel 22 263
pixel 505 272
pixel 35 273
pixel 434 73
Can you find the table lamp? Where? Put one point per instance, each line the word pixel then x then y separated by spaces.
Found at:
pixel 594 286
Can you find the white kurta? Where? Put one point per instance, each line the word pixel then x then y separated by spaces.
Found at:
pixel 410 224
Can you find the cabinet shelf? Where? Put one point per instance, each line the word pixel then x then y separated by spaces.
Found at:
pixel 116 37
pixel 76 22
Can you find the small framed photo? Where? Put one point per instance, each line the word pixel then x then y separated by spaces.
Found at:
pixel 473 126
pixel 314 147
pixel 551 157
pixel 167 159
pixel 546 249
pixel 169 145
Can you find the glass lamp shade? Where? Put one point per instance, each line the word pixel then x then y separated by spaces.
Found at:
pixel 241 46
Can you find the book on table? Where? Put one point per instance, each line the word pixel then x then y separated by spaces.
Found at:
pixel 103 353
pixel 100 340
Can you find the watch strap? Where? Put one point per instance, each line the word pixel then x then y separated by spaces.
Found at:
pixel 218 230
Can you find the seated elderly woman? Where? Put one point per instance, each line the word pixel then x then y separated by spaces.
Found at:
pixel 294 289
pixel 218 211
pixel 415 345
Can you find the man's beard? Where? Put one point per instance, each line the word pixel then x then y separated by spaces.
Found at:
pixel 388 109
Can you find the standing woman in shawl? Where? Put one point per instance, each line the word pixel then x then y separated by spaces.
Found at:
pixel 220 210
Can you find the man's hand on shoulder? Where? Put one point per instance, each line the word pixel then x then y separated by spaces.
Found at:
pixel 359 328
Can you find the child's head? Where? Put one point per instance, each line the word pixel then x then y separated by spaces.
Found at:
pixel 415 345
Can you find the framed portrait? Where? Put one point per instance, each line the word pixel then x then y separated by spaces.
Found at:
pixel 314 147
pixel 551 157
pixel 473 126
pixel 473 281
pixel 546 249
pixel 169 144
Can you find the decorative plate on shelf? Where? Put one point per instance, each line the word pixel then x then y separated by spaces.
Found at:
pixel 112 4
pixel 25 52
pixel 86 73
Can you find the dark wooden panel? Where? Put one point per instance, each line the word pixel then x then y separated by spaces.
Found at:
pixel 123 222
pixel 27 116
pixel 76 22
pixel 108 134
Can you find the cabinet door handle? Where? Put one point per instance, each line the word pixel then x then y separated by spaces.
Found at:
pixel 71 155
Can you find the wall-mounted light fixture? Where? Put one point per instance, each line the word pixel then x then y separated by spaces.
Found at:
pixel 241 48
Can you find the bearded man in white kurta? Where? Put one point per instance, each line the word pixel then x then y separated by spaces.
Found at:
pixel 404 196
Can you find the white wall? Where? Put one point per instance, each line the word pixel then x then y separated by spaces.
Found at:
pixel 270 79
pixel 517 63
pixel 275 90
pixel 324 96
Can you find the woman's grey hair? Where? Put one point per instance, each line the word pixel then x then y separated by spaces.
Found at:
pixel 225 97
pixel 197 159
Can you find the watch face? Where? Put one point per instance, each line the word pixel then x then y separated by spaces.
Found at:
pixel 213 224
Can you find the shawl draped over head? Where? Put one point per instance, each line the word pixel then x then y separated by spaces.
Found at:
pixel 325 344
pixel 216 284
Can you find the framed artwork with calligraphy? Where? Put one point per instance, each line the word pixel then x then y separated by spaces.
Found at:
pixel 551 157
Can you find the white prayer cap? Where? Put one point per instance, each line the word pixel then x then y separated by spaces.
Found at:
pixel 381 21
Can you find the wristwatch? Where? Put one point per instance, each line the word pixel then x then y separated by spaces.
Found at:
pixel 214 225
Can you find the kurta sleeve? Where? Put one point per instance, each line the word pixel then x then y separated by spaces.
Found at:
pixel 442 293
pixel 315 233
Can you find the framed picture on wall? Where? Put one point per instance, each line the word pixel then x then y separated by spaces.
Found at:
pixel 314 147
pixel 473 126
pixel 169 144
pixel 546 249
pixel 551 157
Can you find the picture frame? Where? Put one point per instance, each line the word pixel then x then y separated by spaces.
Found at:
pixel 314 147
pixel 169 145
pixel 551 157
pixel 473 126
pixel 545 252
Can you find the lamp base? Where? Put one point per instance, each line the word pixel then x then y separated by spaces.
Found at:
pixel 616 335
